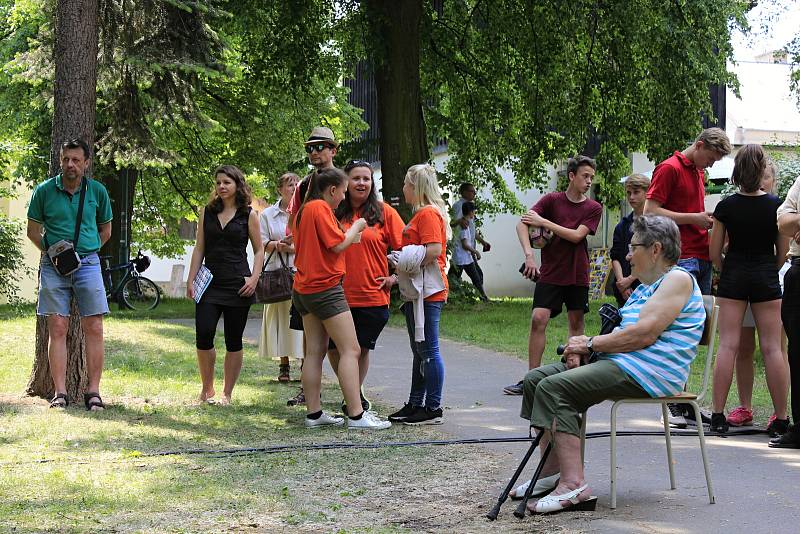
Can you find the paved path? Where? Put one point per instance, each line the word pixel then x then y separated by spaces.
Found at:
pixel 757 488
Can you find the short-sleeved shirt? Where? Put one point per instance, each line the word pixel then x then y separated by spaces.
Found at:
pixel 318 267
pixel 462 256
pixel 565 263
pixel 750 222
pixel 57 210
pixel 366 261
pixel 678 186
pixel 427 226
pixel 623 233
pixel 272 222
pixel 457 212
pixel 792 206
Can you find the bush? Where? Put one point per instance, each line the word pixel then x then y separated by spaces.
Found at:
pixel 12 266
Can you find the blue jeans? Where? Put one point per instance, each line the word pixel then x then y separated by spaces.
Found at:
pixel 427 371
pixel 86 284
pixel 701 270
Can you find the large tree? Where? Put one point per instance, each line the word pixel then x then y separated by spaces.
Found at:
pixel 74 96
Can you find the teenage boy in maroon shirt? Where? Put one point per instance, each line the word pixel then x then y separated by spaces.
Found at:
pixel 563 277
pixel 677 191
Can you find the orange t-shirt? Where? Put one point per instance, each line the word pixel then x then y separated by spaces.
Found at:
pixel 427 226
pixel 366 261
pixel 318 267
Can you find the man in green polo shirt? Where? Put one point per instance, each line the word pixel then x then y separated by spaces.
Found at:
pixel 51 218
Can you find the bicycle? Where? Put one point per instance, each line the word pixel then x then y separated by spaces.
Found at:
pixel 131 290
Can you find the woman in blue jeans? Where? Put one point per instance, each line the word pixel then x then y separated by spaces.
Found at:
pixel 428 228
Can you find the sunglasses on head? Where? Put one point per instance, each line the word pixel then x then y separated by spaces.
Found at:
pixel 353 163
pixel 318 147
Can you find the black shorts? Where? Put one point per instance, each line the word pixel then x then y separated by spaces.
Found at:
pixel 369 322
pixel 754 279
pixel 555 297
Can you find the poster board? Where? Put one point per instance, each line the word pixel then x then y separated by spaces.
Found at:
pixel 599 271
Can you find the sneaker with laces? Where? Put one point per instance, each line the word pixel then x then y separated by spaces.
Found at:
pixel 688 414
pixel 368 421
pixel 677 416
pixel 777 427
pixel 718 423
pixel 400 415
pixel 513 389
pixel 424 416
pixel 324 420
pixel 740 416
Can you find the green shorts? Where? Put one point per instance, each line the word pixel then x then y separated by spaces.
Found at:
pixel 322 305
pixel 554 393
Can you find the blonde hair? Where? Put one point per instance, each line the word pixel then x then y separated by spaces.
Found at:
pixel 715 139
pixel 285 177
pixel 427 193
pixel 638 181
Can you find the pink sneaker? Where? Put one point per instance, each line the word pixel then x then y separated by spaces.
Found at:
pixel 740 416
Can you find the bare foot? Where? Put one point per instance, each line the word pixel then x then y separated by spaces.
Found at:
pixel 224 401
pixel 206 396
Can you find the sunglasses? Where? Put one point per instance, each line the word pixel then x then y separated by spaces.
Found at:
pixel 318 147
pixel 353 163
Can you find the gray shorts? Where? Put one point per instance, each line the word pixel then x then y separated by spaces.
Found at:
pixel 322 305
pixel 86 284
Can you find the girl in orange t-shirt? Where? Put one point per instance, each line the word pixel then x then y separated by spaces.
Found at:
pixel 429 226
pixel 367 283
pixel 318 296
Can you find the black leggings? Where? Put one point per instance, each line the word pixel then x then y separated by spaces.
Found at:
pixel 790 314
pixel 206 317
pixel 475 274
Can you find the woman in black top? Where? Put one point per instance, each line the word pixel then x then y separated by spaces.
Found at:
pixel 749 274
pixel 225 226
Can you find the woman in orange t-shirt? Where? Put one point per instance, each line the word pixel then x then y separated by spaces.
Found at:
pixel 318 296
pixel 367 283
pixel 429 226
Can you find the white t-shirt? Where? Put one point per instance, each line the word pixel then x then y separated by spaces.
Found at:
pixel 273 221
pixel 461 256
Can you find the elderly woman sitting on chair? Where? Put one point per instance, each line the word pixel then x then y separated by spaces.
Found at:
pixel 648 355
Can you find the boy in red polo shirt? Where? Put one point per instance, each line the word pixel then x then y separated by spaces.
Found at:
pixel 677 191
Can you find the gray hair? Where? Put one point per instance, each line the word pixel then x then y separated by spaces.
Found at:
pixel 652 228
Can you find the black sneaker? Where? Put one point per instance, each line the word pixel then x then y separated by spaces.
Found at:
pixel 688 414
pixel 789 440
pixel 401 414
pixel 777 427
pixel 677 416
pixel 719 423
pixel 424 416
pixel 513 389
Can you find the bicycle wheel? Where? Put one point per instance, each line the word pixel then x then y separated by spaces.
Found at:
pixel 139 293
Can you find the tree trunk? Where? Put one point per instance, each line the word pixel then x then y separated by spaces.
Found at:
pixel 403 140
pixel 75 55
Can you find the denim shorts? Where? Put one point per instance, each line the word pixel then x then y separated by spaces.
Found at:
pixel 86 284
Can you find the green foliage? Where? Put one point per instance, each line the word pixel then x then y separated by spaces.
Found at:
pixel 12 267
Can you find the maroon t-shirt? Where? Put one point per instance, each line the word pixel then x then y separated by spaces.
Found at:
pixel 565 263
pixel 678 185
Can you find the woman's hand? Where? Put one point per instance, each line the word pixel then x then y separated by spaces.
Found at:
pixel 249 287
pixel 360 224
pixel 387 281
pixel 577 345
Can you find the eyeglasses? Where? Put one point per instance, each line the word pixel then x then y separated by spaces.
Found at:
pixel 319 147
pixel 634 245
pixel 353 163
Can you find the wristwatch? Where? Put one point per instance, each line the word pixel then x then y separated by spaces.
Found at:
pixel 589 344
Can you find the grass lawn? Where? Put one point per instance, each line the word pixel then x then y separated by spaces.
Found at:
pixel 75 471
pixel 503 325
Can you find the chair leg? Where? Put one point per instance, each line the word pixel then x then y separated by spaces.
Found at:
pixel 668 437
pixel 613 443
pixel 702 437
pixel 583 438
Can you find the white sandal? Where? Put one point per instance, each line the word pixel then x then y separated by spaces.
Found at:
pixel 543 486
pixel 552 503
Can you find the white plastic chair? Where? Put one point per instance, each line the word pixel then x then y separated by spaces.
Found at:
pixel 708 339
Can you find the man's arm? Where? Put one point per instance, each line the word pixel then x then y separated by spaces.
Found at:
pixel 35 233
pixel 572 235
pixel 531 270
pixel 105 232
pixel 701 219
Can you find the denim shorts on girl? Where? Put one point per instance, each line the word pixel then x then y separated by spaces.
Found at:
pixel 86 284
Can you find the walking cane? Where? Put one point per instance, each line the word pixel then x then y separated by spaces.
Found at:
pixel 523 505
pixel 492 515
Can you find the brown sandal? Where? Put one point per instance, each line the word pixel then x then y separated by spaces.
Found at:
pixel 59 401
pixel 283 373
pixel 93 401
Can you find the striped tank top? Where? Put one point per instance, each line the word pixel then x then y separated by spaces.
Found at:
pixel 663 367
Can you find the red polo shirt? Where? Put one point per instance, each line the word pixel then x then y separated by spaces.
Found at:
pixel 678 185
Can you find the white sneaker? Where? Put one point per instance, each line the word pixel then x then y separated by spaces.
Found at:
pixel 368 421
pixel 324 420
